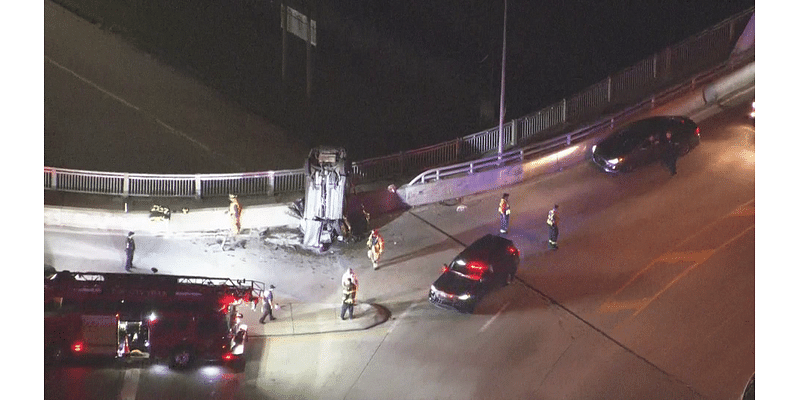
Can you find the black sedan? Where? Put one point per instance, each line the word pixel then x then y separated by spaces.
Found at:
pixel 645 141
pixel 489 262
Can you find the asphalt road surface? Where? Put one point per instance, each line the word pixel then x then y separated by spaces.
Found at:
pixel 650 295
pixel 110 107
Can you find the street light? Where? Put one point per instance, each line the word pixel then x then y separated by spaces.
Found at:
pixel 502 84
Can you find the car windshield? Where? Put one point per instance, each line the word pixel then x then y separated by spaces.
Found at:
pixel 632 136
pixel 473 270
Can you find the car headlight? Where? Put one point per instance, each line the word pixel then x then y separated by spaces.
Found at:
pixel 614 161
pixel 594 148
pixel 464 296
pixel 433 289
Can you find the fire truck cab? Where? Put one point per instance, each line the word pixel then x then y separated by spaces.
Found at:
pixel 180 319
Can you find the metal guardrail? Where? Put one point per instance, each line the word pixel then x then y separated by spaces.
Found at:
pixel 684 61
pixel 547 146
pixel 152 185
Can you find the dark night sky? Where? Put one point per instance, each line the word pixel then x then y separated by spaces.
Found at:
pixel 553 47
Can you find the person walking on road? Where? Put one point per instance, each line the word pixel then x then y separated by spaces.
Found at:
pixel 552 222
pixel 505 213
pixel 375 247
pixel 235 211
pixel 348 298
pixel 670 154
pixel 267 306
pixel 130 247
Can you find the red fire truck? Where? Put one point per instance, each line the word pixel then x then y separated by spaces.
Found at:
pixel 182 319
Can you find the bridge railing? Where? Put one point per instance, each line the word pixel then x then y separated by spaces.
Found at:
pixel 679 63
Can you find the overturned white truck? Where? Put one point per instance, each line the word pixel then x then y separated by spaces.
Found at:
pixel 323 215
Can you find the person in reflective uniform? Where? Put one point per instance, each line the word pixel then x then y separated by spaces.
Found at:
pixel 351 275
pixel 348 298
pixel 374 247
pixel 505 213
pixel 235 211
pixel 552 223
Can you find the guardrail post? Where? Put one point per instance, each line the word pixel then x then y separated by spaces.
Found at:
pixel 271 190
pixel 514 135
pixel 198 187
pixel 402 162
pixel 608 91
pixel 126 185
pixel 53 179
pixel 564 111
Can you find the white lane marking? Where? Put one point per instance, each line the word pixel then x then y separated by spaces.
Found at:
pixel 183 135
pixel 131 384
pixel 120 99
pixel 689 269
pixel 494 317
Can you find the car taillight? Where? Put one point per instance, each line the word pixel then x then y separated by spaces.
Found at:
pixel 228 356
pixel 77 347
pixel 512 250
pixel 697 131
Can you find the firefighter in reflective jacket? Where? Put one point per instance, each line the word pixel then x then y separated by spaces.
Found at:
pixel 375 247
pixel 552 222
pixel 505 213
pixel 348 297
pixel 235 211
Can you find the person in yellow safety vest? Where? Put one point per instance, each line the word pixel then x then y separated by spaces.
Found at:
pixel 349 275
pixel 235 210
pixel 505 213
pixel 348 298
pixel 375 247
pixel 552 222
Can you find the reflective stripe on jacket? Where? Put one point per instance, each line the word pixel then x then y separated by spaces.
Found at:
pixel 504 208
pixel 552 217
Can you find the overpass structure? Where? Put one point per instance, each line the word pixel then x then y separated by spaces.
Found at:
pixel 696 77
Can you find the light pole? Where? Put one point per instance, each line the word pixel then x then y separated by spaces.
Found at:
pixel 502 84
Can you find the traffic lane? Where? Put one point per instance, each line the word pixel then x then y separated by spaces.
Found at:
pixel 114 380
pixel 614 226
pixel 87 127
pixel 438 353
pixel 702 328
pixel 516 345
pixel 88 381
pixel 198 117
pixel 319 366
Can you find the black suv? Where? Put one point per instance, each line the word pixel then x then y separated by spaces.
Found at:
pixel 489 262
pixel 644 141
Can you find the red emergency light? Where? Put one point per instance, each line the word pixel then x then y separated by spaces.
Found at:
pixel 77 347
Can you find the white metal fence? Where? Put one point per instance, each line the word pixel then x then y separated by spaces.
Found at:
pixel 687 64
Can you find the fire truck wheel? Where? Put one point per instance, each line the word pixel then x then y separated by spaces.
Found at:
pixel 182 357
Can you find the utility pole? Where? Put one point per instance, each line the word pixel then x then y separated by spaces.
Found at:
pixel 500 134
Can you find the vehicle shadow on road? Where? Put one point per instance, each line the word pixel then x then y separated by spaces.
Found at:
pixel 443 245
